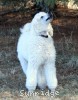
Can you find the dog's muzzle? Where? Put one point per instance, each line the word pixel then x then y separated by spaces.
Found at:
pixel 50 16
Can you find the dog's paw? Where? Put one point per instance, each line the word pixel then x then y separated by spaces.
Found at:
pixel 31 88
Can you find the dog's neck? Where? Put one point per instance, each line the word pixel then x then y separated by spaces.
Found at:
pixel 44 34
pixel 40 30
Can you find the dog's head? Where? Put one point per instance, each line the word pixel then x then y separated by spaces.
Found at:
pixel 41 20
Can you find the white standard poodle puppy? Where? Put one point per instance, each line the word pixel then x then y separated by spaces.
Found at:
pixel 37 54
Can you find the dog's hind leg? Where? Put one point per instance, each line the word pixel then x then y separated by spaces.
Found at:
pixel 23 63
pixel 41 79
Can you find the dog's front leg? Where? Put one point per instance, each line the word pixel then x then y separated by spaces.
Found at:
pixel 31 81
pixel 50 72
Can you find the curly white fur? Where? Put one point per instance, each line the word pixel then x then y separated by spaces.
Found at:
pixel 37 54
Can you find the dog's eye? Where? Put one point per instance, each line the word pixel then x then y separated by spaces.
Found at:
pixel 42 16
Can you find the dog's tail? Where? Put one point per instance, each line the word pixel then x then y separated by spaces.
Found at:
pixel 26 28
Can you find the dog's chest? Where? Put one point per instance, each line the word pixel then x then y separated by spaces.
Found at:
pixel 42 45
